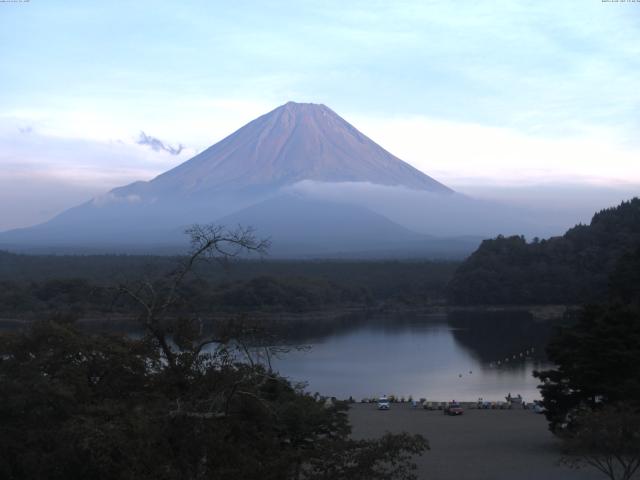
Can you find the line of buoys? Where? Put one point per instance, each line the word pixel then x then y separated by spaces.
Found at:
pixel 523 354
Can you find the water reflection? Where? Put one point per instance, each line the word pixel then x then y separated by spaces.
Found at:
pixel 438 357
pixel 501 338
pixel 462 355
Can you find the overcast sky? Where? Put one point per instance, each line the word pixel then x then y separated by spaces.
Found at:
pixel 487 97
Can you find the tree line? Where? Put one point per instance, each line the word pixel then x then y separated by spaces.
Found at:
pixel 570 269
pixel 77 285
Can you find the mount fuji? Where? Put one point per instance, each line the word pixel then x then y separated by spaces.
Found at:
pixel 299 174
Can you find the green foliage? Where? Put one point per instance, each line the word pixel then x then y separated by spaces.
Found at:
pixel 607 439
pixel 570 269
pixel 31 287
pixel 290 294
pixel 624 283
pixel 597 361
pixel 67 402
pixel 597 358
pixel 77 406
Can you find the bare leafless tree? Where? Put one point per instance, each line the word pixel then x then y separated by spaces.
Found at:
pixel 158 297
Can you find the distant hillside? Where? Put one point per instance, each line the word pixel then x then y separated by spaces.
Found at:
pixel 573 268
pixel 35 285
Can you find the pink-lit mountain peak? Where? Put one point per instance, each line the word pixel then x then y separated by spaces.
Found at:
pixel 294 142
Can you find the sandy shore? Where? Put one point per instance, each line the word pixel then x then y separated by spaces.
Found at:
pixel 479 445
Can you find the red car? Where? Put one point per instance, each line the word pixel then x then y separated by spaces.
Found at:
pixel 453 409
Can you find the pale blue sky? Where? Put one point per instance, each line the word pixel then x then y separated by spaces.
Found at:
pixel 473 93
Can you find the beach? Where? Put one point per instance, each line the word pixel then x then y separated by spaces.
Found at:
pixel 478 445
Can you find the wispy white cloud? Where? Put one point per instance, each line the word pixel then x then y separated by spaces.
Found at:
pixel 158 145
pixel 111 198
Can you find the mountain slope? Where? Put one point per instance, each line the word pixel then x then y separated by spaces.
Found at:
pixel 294 142
pixel 297 226
pixel 260 161
pixel 303 227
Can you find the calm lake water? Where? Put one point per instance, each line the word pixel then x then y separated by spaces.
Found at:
pixel 462 357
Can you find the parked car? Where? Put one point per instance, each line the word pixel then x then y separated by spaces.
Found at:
pixel 383 403
pixel 453 409
pixel 538 408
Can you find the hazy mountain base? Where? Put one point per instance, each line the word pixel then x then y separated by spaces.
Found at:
pixel 308 220
pixel 297 227
pixel 430 213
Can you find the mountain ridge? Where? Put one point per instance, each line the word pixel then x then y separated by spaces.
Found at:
pixel 293 142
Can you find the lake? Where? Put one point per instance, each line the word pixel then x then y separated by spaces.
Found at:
pixel 439 357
